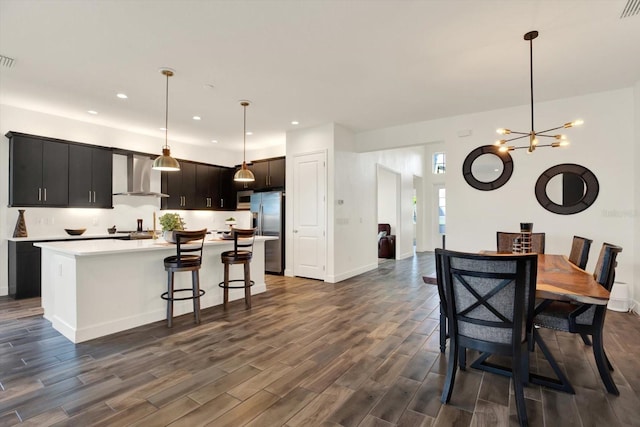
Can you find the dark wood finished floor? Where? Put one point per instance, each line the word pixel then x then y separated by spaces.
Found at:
pixel 363 352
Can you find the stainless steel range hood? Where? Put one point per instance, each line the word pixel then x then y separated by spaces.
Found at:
pixel 139 174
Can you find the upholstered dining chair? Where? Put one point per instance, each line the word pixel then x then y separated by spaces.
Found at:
pixel 586 319
pixel 505 241
pixel 490 301
pixel 579 254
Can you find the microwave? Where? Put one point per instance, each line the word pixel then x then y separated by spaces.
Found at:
pixel 243 201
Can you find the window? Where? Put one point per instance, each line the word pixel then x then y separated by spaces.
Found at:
pixel 441 210
pixel 439 163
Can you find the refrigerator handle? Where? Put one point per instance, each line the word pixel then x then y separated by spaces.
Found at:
pixel 261 219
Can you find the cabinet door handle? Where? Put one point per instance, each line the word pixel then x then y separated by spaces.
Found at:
pixel 45 194
pixel 94 197
pixel 222 203
pixel 39 194
pixel 89 196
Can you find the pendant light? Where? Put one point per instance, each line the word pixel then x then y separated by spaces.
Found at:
pixel 244 174
pixel 557 140
pixel 165 162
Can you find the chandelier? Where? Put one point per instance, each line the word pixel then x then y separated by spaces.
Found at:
pixel 556 140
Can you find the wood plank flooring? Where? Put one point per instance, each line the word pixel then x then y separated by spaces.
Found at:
pixel 363 352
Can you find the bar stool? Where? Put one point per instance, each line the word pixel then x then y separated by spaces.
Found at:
pixel 241 254
pixel 181 262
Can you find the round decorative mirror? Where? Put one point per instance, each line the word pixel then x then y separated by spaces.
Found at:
pixel 567 189
pixel 486 168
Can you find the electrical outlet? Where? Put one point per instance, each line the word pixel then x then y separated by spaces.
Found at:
pixel 95 221
pixel 53 221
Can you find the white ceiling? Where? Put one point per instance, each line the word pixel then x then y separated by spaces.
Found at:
pixel 363 64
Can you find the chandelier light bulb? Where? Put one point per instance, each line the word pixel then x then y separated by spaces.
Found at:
pixel 502 131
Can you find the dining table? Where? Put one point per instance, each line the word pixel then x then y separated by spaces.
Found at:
pixel 557 280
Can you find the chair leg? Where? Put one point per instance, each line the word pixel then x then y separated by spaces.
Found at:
pixel 226 285
pixel 585 339
pixel 462 357
pixel 452 366
pixel 443 330
pixel 170 300
pixel 601 363
pixel 518 389
pixel 195 279
pixel 247 284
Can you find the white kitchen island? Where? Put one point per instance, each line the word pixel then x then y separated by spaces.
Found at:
pixel 92 288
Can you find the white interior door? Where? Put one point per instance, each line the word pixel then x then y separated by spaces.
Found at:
pixel 309 216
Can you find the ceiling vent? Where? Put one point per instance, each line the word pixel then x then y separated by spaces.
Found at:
pixel 632 8
pixel 5 61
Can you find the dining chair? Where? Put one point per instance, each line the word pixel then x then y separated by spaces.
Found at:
pixel 586 319
pixel 505 241
pixel 490 302
pixel 579 254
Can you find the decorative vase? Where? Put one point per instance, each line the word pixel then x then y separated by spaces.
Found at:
pixel 21 225
pixel 169 236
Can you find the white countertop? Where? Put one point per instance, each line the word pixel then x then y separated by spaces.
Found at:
pixel 67 237
pixel 113 246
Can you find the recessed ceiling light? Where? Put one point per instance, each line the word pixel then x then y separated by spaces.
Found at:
pixel 249 133
pixel 215 141
pixel 295 122
pixel 197 118
pixel 92 112
pixel 122 95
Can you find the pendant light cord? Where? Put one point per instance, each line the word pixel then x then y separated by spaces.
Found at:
pixel 166 114
pixel 244 135
pixel 531 78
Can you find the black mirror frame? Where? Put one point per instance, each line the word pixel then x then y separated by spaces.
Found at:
pixel 589 197
pixel 507 168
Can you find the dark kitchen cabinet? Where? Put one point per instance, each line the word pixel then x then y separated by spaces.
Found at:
pixel 206 186
pixel 227 190
pixel 24 270
pixel 269 174
pixel 38 171
pixel 90 176
pixel 180 186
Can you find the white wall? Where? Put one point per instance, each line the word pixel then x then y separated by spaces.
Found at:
pixel 605 145
pixel 304 141
pixel 52 221
pixel 352 178
pixel 387 197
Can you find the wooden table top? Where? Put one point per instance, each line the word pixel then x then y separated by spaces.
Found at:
pixel 559 279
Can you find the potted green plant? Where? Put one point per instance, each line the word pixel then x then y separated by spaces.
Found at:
pixel 169 223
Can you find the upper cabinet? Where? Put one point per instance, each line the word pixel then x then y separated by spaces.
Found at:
pixel 57 173
pixel 269 174
pixel 180 186
pixel 38 171
pixel 90 176
pixel 198 186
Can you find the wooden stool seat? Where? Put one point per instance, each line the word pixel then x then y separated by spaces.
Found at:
pixel 241 254
pixel 185 262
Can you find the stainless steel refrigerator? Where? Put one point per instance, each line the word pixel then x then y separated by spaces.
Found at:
pixel 268 218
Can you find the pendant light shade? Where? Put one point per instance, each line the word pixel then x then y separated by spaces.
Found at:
pixel 244 174
pixel 165 162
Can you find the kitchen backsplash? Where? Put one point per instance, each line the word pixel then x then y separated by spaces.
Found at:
pixel 51 222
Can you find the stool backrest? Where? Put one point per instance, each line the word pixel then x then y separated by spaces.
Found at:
pixel 184 239
pixel 243 239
